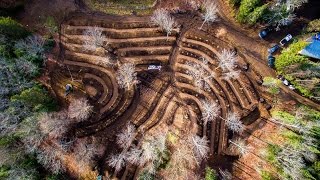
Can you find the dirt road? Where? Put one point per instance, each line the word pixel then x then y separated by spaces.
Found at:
pixel 255 49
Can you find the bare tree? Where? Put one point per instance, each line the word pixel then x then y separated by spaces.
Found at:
pixel 117 161
pixel 227 60
pixel 5 156
pixel 85 153
pixel 188 153
pixel 32 46
pixel 106 62
pixel 159 140
pixel 126 76
pixel 285 21
pixel 149 153
pixel 199 74
pixel 31 135
pixel 291 162
pixel 54 125
pixel 278 17
pixel 94 38
pixel 18 173
pixel 233 122
pixel 194 5
pixel 211 110
pixel 8 125
pixel 210 12
pixel 200 147
pixel 294 4
pixel 26 67
pixel 50 159
pixel 182 159
pixel 309 143
pixel 32 142
pixel 225 174
pixel 239 146
pixel 231 75
pixel 162 18
pixel 152 149
pixel 80 109
pixel 127 135
pixel 65 143
pixel 134 155
pixel 11 81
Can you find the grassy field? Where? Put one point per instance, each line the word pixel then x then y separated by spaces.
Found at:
pixel 122 7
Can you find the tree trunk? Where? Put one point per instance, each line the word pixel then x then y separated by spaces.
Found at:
pixel 125 173
pixel 204 133
pixel 202 24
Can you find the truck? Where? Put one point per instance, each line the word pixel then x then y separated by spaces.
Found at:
pixel 286 40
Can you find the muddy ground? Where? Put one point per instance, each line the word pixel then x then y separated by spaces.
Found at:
pixel 245 40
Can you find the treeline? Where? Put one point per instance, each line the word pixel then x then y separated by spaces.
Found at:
pixel 277 14
pixel 22 98
pixel 295 153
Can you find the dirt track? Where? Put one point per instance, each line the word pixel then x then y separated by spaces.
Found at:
pixel 161 94
pixel 164 88
pixel 257 57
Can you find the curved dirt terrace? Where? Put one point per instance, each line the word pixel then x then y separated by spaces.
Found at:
pixel 154 102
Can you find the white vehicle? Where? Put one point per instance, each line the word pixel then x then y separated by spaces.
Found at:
pixel 285 82
pixel 154 67
pixel 291 87
pixel 285 40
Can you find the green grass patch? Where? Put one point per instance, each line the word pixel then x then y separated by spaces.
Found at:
pixel 283 116
pixel 211 174
pixel 272 84
pixel 265 175
pixel 122 7
pixel 293 139
pixel 311 114
pixel 172 138
pixel 271 153
pixel 291 56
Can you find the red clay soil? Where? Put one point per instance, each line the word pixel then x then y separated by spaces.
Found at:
pixel 235 94
pixel 168 89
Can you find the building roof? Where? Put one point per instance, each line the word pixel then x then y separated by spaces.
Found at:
pixel 312 50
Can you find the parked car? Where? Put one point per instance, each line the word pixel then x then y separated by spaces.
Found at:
pixel 291 87
pixel 271 61
pixel 154 67
pixel 264 32
pixel 285 40
pixel 273 49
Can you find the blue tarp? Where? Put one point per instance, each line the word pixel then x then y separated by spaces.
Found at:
pixel 312 50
